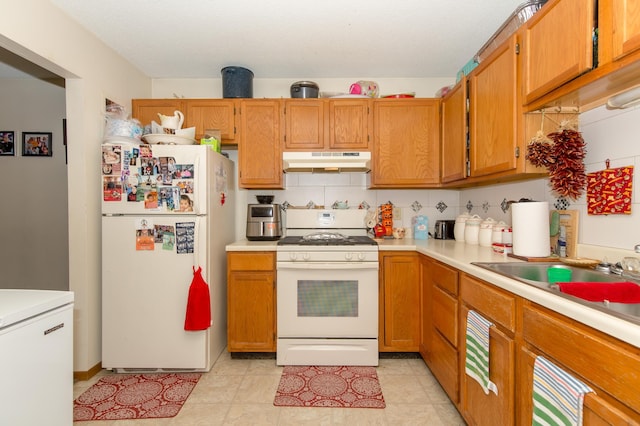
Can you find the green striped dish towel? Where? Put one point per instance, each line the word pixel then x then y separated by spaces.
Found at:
pixel 557 396
pixel 477 358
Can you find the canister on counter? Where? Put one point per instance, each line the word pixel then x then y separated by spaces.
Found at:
pixel 421 228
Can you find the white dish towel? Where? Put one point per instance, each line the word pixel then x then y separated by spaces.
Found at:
pixel 557 396
pixel 477 357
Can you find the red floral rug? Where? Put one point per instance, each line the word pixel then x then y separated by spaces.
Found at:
pixel 135 396
pixel 348 387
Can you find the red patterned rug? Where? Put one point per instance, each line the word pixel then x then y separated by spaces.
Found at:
pixel 348 387
pixel 135 396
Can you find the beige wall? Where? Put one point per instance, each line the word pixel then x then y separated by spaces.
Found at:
pixel 93 72
pixel 34 249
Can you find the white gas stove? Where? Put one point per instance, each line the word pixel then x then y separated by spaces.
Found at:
pixel 327 298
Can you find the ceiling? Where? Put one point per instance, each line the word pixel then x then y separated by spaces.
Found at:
pixel 294 38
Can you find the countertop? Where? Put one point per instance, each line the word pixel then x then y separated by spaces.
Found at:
pixel 460 255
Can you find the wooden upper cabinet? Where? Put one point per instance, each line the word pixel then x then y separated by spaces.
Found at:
pixel 626 27
pixel 322 125
pixel 259 150
pixel 557 45
pixel 304 124
pixel 453 166
pixel 204 114
pixel 349 125
pixel 493 112
pixel 406 146
pixel 147 110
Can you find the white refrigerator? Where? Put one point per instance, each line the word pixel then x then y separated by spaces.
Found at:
pixel 36 357
pixel 166 209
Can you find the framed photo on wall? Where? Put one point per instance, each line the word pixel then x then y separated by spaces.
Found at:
pixel 7 145
pixel 36 144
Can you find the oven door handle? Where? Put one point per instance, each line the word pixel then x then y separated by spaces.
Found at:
pixel 326 265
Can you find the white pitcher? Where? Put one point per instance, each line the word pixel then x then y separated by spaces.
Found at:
pixel 172 121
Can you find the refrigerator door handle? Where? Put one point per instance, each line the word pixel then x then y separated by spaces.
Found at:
pixel 199 193
pixel 197 240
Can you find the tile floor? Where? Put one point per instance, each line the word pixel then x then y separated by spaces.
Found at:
pixel 241 391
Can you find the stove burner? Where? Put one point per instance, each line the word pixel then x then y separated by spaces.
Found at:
pixel 333 240
pixel 325 236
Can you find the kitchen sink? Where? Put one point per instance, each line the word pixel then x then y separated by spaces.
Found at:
pixel 536 274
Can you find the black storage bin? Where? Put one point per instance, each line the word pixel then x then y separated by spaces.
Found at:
pixel 237 82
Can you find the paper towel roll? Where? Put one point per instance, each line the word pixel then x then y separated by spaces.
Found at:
pixel 530 222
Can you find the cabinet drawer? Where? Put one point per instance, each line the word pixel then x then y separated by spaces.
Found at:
pixel 497 305
pixel 444 365
pixel 251 261
pixel 601 360
pixel 445 314
pixel 445 277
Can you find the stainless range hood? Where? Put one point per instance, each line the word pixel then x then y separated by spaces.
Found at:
pixel 326 161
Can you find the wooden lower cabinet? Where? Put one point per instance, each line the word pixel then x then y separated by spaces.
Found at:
pixel 610 367
pixel 399 304
pixel 439 342
pixel 498 307
pixel 251 302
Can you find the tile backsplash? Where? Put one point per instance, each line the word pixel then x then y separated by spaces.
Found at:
pixel 608 134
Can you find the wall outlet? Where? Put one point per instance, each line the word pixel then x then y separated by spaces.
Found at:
pixel 397 213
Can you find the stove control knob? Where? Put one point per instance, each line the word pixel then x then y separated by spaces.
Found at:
pixel 293 256
pixel 306 256
pixel 361 256
pixel 348 256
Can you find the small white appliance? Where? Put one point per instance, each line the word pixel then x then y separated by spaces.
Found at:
pixel 327 299
pixel 166 209
pixel 36 357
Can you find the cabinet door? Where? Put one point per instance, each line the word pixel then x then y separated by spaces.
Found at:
pixel 251 315
pixel 477 407
pixel 219 114
pixel 426 307
pixel 147 110
pixel 493 112
pixel 251 312
pixel 304 121
pixel 259 151
pixel 440 325
pixel 406 149
pixel 454 134
pixel 400 306
pixel 596 410
pixel 557 46
pixel 626 27
pixel 349 125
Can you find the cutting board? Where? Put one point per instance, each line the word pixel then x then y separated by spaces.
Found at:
pixel 568 219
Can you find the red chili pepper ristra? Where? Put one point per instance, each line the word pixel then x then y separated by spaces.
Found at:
pixel 564 158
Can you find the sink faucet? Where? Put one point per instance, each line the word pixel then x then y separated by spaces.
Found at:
pixel 637 248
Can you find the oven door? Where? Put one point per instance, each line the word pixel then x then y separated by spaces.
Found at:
pixel 327 300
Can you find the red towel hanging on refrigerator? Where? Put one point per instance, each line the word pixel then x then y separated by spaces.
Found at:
pixel 198 316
